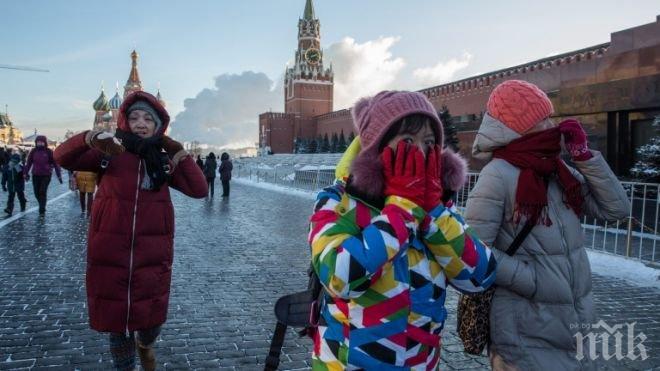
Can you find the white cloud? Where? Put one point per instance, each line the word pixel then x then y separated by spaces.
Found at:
pixel 228 113
pixel 362 69
pixel 442 72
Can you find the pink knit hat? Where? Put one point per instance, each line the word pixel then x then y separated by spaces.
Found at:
pixel 519 105
pixel 373 117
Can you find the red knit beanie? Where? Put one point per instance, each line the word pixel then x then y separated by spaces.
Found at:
pixel 519 105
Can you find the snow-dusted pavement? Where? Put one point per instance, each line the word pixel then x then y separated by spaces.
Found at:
pixel 233 259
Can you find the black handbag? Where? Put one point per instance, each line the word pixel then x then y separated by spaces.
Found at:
pixel 301 310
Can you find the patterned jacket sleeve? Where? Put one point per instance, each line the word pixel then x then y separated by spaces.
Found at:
pixel 346 258
pixel 468 264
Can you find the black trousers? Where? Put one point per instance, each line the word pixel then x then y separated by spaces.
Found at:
pixel 21 200
pixel 86 206
pixel 225 188
pixel 211 183
pixel 40 184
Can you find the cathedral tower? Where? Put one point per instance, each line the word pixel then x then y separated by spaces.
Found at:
pixel 133 83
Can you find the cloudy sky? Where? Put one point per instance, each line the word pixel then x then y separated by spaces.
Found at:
pixel 220 63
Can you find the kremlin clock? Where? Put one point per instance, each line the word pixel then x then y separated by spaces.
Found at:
pixel 312 56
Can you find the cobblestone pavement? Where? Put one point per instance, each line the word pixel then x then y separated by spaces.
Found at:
pixel 233 259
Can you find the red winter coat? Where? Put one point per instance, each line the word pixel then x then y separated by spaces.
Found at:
pixel 130 240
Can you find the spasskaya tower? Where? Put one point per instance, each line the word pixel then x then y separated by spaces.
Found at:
pixel 308 85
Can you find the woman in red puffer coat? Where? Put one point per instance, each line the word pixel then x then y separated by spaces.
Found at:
pixel 130 242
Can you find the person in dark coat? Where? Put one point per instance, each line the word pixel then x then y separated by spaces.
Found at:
pixel 41 162
pixel 225 173
pixel 131 232
pixel 200 162
pixel 15 183
pixel 4 159
pixel 209 171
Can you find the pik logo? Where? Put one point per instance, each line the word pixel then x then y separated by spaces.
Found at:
pixel 623 336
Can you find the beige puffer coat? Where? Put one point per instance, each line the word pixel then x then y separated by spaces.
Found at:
pixel 544 291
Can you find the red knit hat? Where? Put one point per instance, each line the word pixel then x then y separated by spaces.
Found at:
pixel 519 105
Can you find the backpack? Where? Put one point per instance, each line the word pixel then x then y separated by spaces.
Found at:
pixel 301 310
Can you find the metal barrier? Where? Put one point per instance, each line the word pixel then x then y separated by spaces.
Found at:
pixel 634 237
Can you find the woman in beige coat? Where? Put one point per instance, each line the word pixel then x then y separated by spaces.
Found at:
pixel 543 296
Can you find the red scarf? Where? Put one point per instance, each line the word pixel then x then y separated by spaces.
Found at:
pixel 537 157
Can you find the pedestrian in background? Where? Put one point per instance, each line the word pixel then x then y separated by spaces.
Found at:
pixel 15 183
pixel 131 233
pixel 4 161
pixel 225 173
pixel 41 162
pixel 385 245
pixel 543 294
pixel 86 184
pixel 200 162
pixel 209 172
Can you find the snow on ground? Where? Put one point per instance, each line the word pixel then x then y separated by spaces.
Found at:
pixel 602 264
pixel 276 188
pixel 317 167
pixel 629 270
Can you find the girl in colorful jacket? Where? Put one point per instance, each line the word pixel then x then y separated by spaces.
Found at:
pixel 385 246
pixel 131 232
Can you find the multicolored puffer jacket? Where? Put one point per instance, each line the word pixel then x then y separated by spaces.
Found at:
pixel 385 273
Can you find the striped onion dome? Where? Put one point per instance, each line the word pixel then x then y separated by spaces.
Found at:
pixel 115 102
pixel 101 104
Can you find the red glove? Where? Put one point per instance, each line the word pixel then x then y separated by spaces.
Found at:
pixel 575 139
pixel 404 172
pixel 433 194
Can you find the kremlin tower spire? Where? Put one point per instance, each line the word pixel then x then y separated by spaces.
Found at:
pixel 309 11
pixel 308 84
